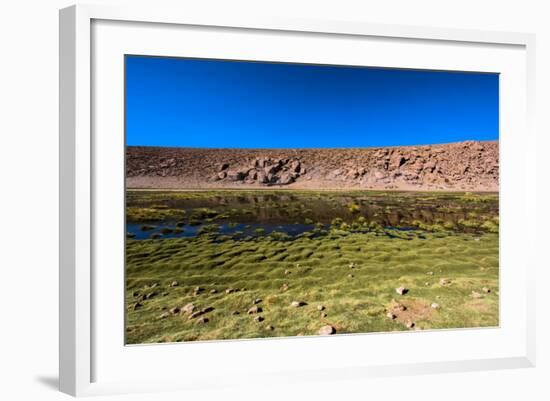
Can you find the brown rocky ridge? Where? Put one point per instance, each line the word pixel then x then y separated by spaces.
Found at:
pixel 462 166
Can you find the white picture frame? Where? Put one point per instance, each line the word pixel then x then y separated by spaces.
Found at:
pixel 84 352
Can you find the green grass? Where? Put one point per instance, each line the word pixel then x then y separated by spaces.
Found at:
pixel 142 214
pixel 318 274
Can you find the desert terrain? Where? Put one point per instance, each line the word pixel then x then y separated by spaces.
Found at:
pixel 462 166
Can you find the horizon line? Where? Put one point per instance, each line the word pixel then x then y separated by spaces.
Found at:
pixel 314 148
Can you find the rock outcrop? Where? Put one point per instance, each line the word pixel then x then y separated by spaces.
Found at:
pixel 468 166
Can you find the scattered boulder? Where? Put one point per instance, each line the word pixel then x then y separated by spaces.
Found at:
pixel 402 290
pixel 284 287
pixel 202 320
pixel 391 315
pixel 164 315
pixel 435 305
pixel 259 319
pixel 323 315
pixel 187 309
pixel 270 328
pixel 320 307
pixel 468 166
pixel 174 284
pixel 213 291
pixel 486 290
pixel 230 290
pixel 396 306
pixel 256 301
pixel 297 304
pixel 476 295
pixel 327 330
pixel 264 171
pixel 175 310
pixel 409 324
pixel 201 312
pixel 444 281
pixel 255 309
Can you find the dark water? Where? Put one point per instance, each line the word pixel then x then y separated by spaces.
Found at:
pixel 251 214
pixel 242 230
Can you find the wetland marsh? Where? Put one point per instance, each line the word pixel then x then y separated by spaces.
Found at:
pixel 230 264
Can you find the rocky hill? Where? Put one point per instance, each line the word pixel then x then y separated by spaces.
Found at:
pixel 467 166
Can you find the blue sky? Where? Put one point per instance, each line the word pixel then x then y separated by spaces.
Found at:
pixel 239 104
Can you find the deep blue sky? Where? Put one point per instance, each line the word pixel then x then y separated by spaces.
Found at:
pixel 213 103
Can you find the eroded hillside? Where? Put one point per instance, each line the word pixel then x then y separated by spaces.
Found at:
pixel 468 166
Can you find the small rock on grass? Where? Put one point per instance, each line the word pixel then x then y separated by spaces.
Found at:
pixel 327 330
pixel 444 281
pixel 287 272
pixel 202 320
pixel 486 290
pixel 396 306
pixel 323 315
pixel 297 304
pixel 270 328
pixel 350 275
pixel 201 312
pixel 174 284
pixel 476 295
pixel 409 324
pixel 230 290
pixel 401 290
pixel 164 315
pixel 189 308
pixel 137 305
pixel 390 315
pixel 150 295
pixel 284 287
pixel 430 273
pixel 235 312
pixel 259 319
pixel 435 306
pixel 255 309
pixel 256 301
pixel 320 307
pixel 175 310
pixel 213 291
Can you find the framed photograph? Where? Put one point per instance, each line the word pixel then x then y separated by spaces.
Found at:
pixel 278 200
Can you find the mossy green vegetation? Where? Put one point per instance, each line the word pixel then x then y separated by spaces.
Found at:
pixel 348 262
